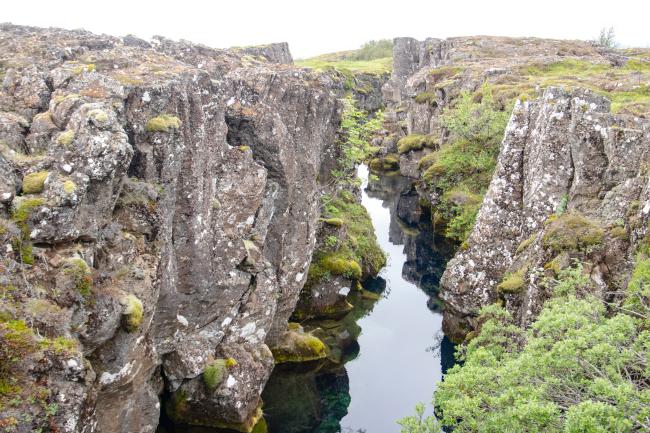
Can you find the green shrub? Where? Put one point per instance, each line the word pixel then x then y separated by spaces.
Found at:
pixel 567 373
pixel 34 183
pixel 371 50
pixel 357 128
pixel 163 123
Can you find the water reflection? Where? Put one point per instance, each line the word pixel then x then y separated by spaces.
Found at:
pixel 386 364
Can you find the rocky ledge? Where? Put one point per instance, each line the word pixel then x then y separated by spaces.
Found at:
pixel 159 209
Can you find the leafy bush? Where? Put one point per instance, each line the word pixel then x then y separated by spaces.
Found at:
pixel 357 129
pixel 576 369
pixel 461 170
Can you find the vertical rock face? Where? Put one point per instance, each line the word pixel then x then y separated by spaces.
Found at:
pixel 172 221
pixel 567 168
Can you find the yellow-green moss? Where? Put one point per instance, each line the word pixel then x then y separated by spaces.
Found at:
pixel 425 97
pixel 20 215
pixel 163 123
pixel 231 362
pixel 618 232
pixel 336 222
pixel 66 138
pixel 342 266
pixel 244 148
pixel 215 373
pixel 526 243
pixel 133 313
pixel 82 275
pixel 99 116
pixel 297 346
pixel 389 162
pixel 69 186
pixel 513 282
pixel 34 183
pixel 415 142
pixel 572 231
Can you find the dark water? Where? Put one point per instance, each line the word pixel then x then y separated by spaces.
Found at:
pixel 399 353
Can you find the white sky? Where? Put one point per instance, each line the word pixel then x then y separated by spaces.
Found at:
pixel 319 27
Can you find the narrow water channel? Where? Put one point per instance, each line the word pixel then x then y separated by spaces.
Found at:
pixel 399 355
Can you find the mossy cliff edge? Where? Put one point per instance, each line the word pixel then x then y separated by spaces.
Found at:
pixel 158 213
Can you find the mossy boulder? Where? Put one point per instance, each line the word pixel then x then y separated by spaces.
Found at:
pixel 342 266
pixel 34 183
pixel 389 162
pixel 298 346
pixel 415 142
pixel 81 274
pixel 572 232
pixel 163 123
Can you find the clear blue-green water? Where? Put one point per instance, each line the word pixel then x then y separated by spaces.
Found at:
pixel 401 351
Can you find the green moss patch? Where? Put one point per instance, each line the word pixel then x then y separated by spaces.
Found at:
pixel 66 138
pixel 358 254
pixel 513 282
pixel 20 215
pixel 389 162
pixel 34 183
pixel 79 270
pixel 298 346
pixel 425 98
pixel 163 123
pixel 573 232
pixel 416 142
pixel 214 373
pixel 336 222
pixel 133 313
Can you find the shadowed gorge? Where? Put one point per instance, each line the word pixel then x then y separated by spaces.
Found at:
pixel 413 236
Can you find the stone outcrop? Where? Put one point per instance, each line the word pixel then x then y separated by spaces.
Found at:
pixel 172 215
pixel 571 183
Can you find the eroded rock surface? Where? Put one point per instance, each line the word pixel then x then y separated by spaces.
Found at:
pixel 172 219
pixel 571 183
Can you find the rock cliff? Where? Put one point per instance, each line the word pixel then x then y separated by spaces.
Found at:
pixel 571 183
pixel 160 202
pixel 564 156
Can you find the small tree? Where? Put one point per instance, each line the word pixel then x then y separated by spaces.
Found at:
pixel 607 38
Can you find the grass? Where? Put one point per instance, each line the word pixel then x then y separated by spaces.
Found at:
pixel 337 62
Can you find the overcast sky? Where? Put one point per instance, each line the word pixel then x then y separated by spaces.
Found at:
pixel 316 27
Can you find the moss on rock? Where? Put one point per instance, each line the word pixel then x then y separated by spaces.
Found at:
pixel 298 346
pixel 66 138
pixel 79 270
pixel 133 313
pixel 163 123
pixel 572 232
pixel 34 183
pixel 415 142
pixel 513 282
pixel 215 373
